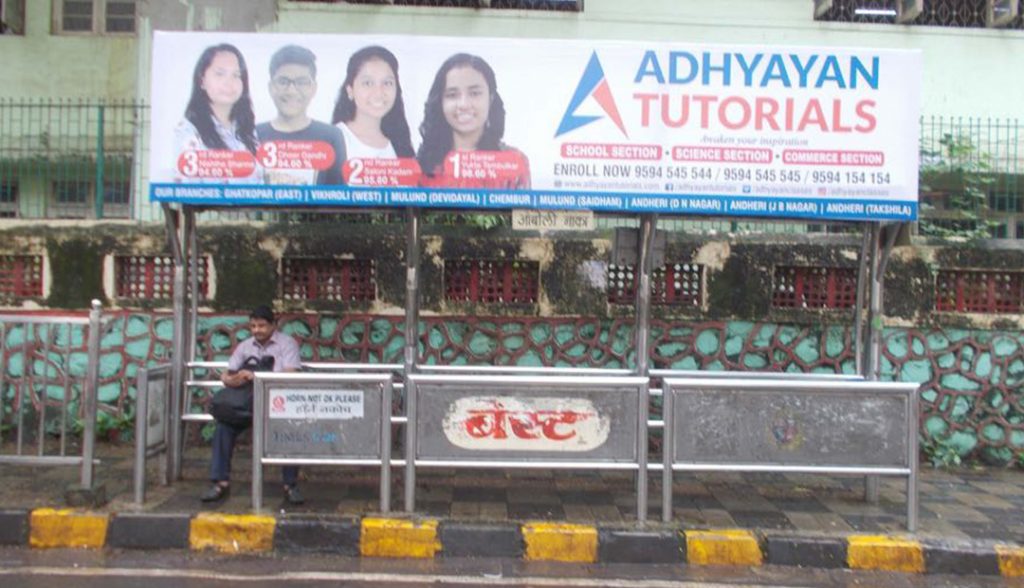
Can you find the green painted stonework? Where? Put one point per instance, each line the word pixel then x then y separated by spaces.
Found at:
pixel 971 381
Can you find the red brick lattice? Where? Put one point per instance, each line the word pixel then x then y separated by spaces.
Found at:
pixel 979 291
pixel 477 280
pixel 138 277
pixel 674 284
pixel 21 275
pixel 349 280
pixel 621 284
pixel 814 287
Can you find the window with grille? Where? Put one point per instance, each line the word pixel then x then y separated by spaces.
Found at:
pixel 119 16
pixel 21 276
pixel 503 282
pixel 94 16
pixel 673 284
pixel 939 13
pixel 979 291
pixel 72 191
pixel 814 287
pixel 12 17
pixel 117 198
pixel 339 280
pixel 138 277
pixel 8 199
pixel 72 198
pixel 563 5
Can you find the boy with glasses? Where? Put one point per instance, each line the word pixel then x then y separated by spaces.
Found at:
pixel 295 149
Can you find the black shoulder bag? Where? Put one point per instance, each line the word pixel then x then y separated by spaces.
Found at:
pixel 233 406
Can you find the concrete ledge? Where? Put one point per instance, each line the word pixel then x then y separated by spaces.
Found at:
pixel 149 531
pixel 723 547
pixel 808 552
pixel 962 558
pixel 630 546
pixel 481 540
pixel 14 526
pixel 398 538
pixel 67 528
pixel 231 533
pixel 560 542
pixel 1011 560
pixel 890 554
pixel 317 535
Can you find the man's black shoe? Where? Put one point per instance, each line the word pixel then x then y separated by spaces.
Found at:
pixel 293 496
pixel 215 493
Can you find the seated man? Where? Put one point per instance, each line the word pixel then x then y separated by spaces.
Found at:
pixel 266 341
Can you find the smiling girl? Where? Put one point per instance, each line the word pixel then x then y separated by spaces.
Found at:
pixel 463 124
pixel 219 117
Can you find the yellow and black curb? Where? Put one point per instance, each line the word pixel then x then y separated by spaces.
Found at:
pixel 534 541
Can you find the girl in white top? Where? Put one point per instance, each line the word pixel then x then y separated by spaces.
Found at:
pixel 369 110
pixel 356 148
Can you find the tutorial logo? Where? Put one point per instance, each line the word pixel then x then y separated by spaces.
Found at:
pixel 594 85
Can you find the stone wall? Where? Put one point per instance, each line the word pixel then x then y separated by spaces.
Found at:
pixel 970 365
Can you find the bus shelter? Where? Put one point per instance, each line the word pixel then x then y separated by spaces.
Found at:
pixel 642 130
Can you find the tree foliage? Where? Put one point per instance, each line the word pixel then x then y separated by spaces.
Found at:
pixel 958 174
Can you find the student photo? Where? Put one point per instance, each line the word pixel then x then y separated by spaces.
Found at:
pixel 369 111
pixel 295 149
pixel 219 117
pixel 464 115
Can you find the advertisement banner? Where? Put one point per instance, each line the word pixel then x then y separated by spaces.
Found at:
pixel 260 119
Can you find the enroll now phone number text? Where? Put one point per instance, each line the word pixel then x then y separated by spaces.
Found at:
pixel 792 176
pixel 769 175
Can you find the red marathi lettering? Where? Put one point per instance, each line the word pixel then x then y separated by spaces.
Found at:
pixel 495 423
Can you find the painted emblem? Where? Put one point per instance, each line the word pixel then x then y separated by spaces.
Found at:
pixel 786 431
pixel 491 423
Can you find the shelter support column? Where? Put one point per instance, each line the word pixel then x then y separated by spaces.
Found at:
pixel 411 349
pixel 193 283
pixel 882 239
pixel 178 241
pixel 642 332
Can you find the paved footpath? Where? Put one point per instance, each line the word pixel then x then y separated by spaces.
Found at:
pixel 971 521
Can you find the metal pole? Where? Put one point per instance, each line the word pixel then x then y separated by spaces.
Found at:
pixel 4 356
pixel 874 330
pixel 643 293
pixel 41 431
pixel 667 454
pixel 412 263
pixel 67 392
pixel 648 224
pixel 177 344
pixel 25 329
pixel 141 434
pixel 193 257
pixel 143 37
pixel 913 462
pixel 385 447
pixel 89 394
pixel 100 157
pixel 875 307
pixel 858 307
pixel 259 391
pixel 880 261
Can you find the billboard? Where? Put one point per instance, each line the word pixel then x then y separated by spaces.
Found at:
pixel 260 119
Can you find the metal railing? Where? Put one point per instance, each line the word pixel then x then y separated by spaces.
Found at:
pixel 292 428
pixel 75 159
pixel 86 159
pixel 41 371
